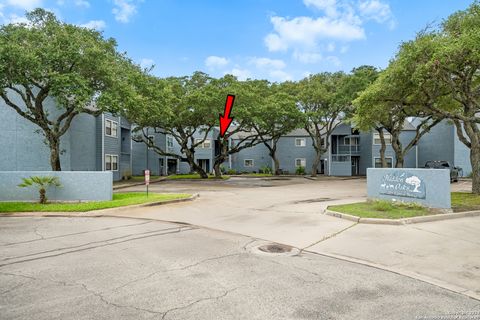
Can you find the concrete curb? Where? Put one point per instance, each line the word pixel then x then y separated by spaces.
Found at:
pixel 97 213
pixel 136 184
pixel 420 219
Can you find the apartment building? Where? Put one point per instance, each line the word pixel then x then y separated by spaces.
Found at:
pixel 105 143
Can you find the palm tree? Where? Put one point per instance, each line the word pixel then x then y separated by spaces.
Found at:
pixel 40 182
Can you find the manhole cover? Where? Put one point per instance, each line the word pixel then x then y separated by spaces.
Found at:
pixel 275 248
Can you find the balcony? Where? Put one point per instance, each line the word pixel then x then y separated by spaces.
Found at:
pixel 348 149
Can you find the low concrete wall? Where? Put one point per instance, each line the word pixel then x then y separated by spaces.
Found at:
pixel 429 187
pixel 76 186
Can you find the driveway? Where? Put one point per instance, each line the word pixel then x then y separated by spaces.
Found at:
pixel 289 211
pixel 119 268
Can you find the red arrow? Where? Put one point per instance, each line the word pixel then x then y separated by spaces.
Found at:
pixel 225 119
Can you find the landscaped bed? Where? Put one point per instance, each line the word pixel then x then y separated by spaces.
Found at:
pixel 193 176
pixel 119 200
pixel 461 201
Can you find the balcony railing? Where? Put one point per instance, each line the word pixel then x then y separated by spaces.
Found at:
pixel 352 149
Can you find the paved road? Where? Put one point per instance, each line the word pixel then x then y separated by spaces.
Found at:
pixel 445 253
pixel 117 268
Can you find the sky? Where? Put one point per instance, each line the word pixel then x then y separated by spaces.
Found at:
pixel 276 40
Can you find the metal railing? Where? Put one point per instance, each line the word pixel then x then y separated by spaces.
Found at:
pixel 348 149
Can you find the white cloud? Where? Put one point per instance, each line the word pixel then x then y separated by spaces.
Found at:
pixel 15 19
pixel 307 57
pixel 329 6
pixel 98 25
pixel 280 75
pixel 214 62
pixel 375 10
pixel 146 63
pixel 25 4
pixel 82 3
pixel 241 74
pixel 267 63
pixel 333 25
pixel 124 10
pixel 334 60
pixel 307 31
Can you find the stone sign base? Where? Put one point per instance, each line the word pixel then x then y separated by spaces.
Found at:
pixel 428 187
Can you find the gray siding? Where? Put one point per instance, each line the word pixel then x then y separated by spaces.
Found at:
pixel 259 155
pixel 438 144
pixel 83 143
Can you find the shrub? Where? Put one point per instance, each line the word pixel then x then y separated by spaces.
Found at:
pixel 231 171
pixel 300 170
pixel 42 183
pixel 380 205
pixel 265 169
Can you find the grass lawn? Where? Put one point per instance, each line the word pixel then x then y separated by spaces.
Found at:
pixel 119 200
pixel 461 201
pixel 464 201
pixel 142 178
pixel 256 174
pixel 381 210
pixel 193 176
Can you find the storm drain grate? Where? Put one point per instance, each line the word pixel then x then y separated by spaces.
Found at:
pixel 275 248
pixel 314 200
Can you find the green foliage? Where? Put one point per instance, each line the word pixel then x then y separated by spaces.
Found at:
pixel 300 170
pixel 231 171
pixel 266 170
pixel 75 66
pixel 41 183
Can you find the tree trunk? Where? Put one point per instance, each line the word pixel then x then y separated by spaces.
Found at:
pixel 475 161
pixel 316 162
pixel 276 163
pixel 383 148
pixel 217 170
pixel 54 145
pixel 198 169
pixel 398 149
pixel 43 197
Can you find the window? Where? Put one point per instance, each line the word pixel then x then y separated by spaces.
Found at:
pixel 111 162
pixel 300 142
pixel 346 141
pixel 207 143
pixel 300 162
pixel 111 128
pixel 169 142
pixel 151 140
pixel 378 162
pixel 387 136
pixel 248 163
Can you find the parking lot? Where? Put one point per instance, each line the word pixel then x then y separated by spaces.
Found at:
pixel 111 268
pixel 201 259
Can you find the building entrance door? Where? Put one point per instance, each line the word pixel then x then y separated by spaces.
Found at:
pixel 355 166
pixel 171 166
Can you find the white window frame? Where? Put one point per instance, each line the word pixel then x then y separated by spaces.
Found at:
pixel 112 125
pixel 169 142
pixel 151 138
pixel 111 156
pixel 206 144
pixel 375 160
pixel 303 142
pixel 387 136
pixel 245 163
pixel 302 160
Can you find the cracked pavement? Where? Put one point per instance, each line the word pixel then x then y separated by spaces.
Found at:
pixel 120 268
